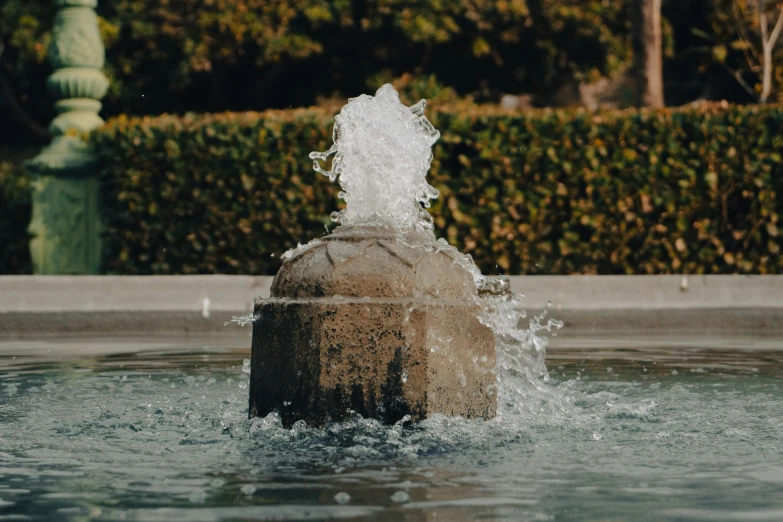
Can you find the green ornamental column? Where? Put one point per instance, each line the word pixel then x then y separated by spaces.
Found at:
pixel 66 221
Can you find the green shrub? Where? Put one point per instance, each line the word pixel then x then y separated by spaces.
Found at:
pixel 15 209
pixel 176 56
pixel 220 193
pixel 691 190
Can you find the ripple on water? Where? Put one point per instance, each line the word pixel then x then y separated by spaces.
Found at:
pixel 167 436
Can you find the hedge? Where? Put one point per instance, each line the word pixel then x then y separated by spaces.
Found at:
pixel 15 213
pixel 688 190
pixel 221 193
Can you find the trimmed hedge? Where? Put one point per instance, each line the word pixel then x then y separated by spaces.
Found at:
pixel 15 213
pixel 689 190
pixel 220 193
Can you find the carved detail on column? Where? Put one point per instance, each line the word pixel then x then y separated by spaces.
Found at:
pixel 77 47
pixel 65 225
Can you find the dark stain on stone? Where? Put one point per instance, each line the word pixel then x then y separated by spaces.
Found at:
pixel 358 401
pixel 336 402
pixel 334 350
pixel 395 407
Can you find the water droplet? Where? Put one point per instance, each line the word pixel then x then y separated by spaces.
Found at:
pixel 400 497
pixel 342 497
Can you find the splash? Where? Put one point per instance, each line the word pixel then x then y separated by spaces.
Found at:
pixel 243 320
pixel 520 343
pixel 382 152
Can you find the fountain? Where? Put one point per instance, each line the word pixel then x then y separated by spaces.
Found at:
pixel 377 317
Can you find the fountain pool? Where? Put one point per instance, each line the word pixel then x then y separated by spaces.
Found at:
pixel 159 430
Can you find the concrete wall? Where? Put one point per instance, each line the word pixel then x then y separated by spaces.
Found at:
pixel 605 306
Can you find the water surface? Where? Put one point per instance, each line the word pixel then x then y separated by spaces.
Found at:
pixel 624 432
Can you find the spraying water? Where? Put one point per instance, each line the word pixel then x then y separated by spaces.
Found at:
pixel 382 151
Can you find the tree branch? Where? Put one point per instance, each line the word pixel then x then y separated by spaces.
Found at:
pixel 739 19
pixel 737 74
pixel 762 12
pixel 773 38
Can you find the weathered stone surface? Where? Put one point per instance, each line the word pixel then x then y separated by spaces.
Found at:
pixel 374 262
pixel 317 359
pixel 375 321
pixel 65 225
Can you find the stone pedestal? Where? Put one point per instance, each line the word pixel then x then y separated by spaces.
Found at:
pixel 374 321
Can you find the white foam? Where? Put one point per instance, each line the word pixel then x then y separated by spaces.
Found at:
pixel 382 152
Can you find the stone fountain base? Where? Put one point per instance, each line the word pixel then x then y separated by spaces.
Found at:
pixel 319 359
pixel 373 321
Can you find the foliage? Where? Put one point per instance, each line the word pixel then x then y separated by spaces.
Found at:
pixel 734 42
pixel 673 191
pixel 219 193
pixel 692 190
pixel 414 87
pixel 15 213
pixel 173 56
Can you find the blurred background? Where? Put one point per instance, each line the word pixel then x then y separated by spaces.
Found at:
pixel 175 56
pixel 184 58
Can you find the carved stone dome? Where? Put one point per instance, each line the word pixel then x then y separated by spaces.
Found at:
pixel 375 262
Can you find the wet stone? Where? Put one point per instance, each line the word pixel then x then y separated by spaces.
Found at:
pixel 396 335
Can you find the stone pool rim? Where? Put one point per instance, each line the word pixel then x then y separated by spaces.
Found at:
pixel 717 305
